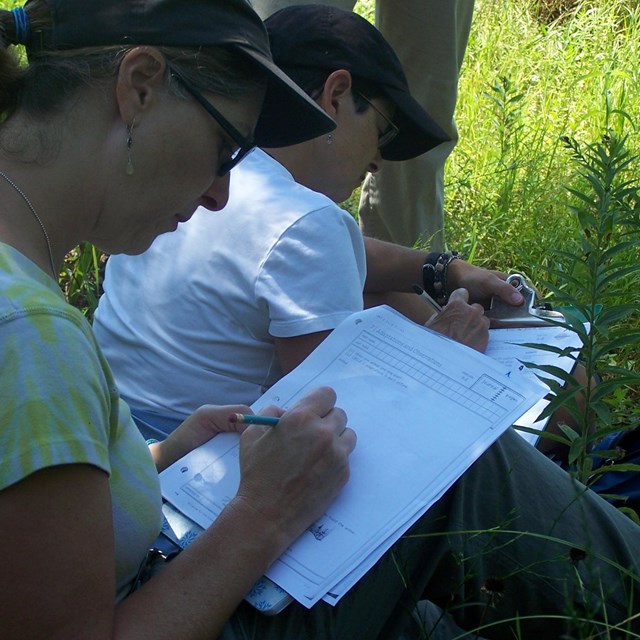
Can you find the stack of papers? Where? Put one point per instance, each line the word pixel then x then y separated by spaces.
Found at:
pixel 424 409
pixel 506 346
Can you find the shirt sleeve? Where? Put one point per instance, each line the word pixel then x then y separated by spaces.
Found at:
pixel 313 277
pixel 54 398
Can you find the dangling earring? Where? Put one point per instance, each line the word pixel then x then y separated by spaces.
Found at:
pixel 129 145
pixel 330 138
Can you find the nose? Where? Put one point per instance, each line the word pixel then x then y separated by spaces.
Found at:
pixel 217 195
pixel 376 163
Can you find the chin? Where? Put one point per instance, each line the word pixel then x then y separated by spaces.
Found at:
pixel 342 197
pixel 139 247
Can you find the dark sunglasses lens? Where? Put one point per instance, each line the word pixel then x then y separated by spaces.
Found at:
pixel 239 155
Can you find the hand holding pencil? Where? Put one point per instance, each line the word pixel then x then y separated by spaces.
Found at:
pixel 461 321
pixel 291 473
pixel 247 418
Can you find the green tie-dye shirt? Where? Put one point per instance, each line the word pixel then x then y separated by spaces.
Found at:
pixel 59 405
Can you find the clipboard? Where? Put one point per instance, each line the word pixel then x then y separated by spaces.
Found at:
pixel 529 314
pixel 265 595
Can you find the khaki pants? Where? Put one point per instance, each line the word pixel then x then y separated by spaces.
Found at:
pixel 404 202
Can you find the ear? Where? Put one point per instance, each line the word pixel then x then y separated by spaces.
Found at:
pixel 336 88
pixel 140 78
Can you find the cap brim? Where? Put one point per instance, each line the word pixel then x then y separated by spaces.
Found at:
pixel 418 132
pixel 288 115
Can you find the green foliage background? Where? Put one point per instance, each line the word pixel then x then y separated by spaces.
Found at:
pixel 524 86
pixel 534 72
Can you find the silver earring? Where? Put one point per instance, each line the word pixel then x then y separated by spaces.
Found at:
pixel 330 138
pixel 129 145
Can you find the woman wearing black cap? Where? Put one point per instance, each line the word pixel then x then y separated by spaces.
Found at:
pixel 126 117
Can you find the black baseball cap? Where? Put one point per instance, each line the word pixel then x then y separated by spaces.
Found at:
pixel 324 37
pixel 288 116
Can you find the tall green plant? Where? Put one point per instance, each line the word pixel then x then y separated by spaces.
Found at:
pixel 594 288
pixel 81 277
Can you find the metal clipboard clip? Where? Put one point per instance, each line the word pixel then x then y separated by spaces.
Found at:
pixel 528 314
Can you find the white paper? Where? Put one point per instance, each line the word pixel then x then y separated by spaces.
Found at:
pixel 505 346
pixel 424 409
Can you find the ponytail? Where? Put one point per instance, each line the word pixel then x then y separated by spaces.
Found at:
pixel 17 27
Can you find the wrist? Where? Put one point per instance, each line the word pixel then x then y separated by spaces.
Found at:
pixel 434 275
pixel 274 538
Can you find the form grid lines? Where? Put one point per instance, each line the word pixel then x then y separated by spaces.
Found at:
pixel 429 376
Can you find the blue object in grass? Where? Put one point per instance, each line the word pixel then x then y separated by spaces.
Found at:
pixel 620 483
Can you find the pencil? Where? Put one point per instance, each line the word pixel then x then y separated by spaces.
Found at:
pixel 246 418
pixel 427 298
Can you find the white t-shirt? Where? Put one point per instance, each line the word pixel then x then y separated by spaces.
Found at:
pixel 192 320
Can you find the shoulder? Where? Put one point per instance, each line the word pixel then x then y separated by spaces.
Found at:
pixel 41 335
pixel 31 299
pixel 261 181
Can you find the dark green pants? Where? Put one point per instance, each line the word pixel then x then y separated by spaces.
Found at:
pixel 515 537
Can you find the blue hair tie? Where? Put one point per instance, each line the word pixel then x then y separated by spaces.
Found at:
pixel 21 20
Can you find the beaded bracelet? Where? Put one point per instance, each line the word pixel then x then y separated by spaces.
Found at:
pixel 434 275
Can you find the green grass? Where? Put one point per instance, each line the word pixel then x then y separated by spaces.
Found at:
pixel 528 87
pixel 524 86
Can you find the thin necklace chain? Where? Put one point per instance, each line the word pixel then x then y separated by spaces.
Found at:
pixel 37 217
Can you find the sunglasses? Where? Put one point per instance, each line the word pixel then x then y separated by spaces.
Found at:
pixel 244 146
pixel 390 133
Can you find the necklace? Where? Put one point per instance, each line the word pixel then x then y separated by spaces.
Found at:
pixel 37 217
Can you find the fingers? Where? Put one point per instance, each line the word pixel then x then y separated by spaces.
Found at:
pixel 346 436
pixel 292 471
pixel 463 322
pixel 459 294
pixel 270 410
pixel 459 299
pixel 482 284
pixel 508 293
pixel 210 419
pixel 320 401
pixel 316 410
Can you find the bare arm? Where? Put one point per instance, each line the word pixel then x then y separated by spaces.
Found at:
pixel 392 267
pixel 292 351
pixel 481 283
pixel 58 582
pixel 58 579
pixel 204 423
pixel 408 304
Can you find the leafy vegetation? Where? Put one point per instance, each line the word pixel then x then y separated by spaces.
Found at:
pixel 543 181
pixel 590 278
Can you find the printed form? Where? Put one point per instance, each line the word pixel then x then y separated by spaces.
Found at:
pixel 424 409
pixel 507 346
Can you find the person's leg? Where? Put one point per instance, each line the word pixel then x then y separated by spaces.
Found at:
pixel 532 521
pixel 264 8
pixel 504 535
pixel 404 202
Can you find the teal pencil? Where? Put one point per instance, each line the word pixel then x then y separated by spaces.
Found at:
pixel 246 418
